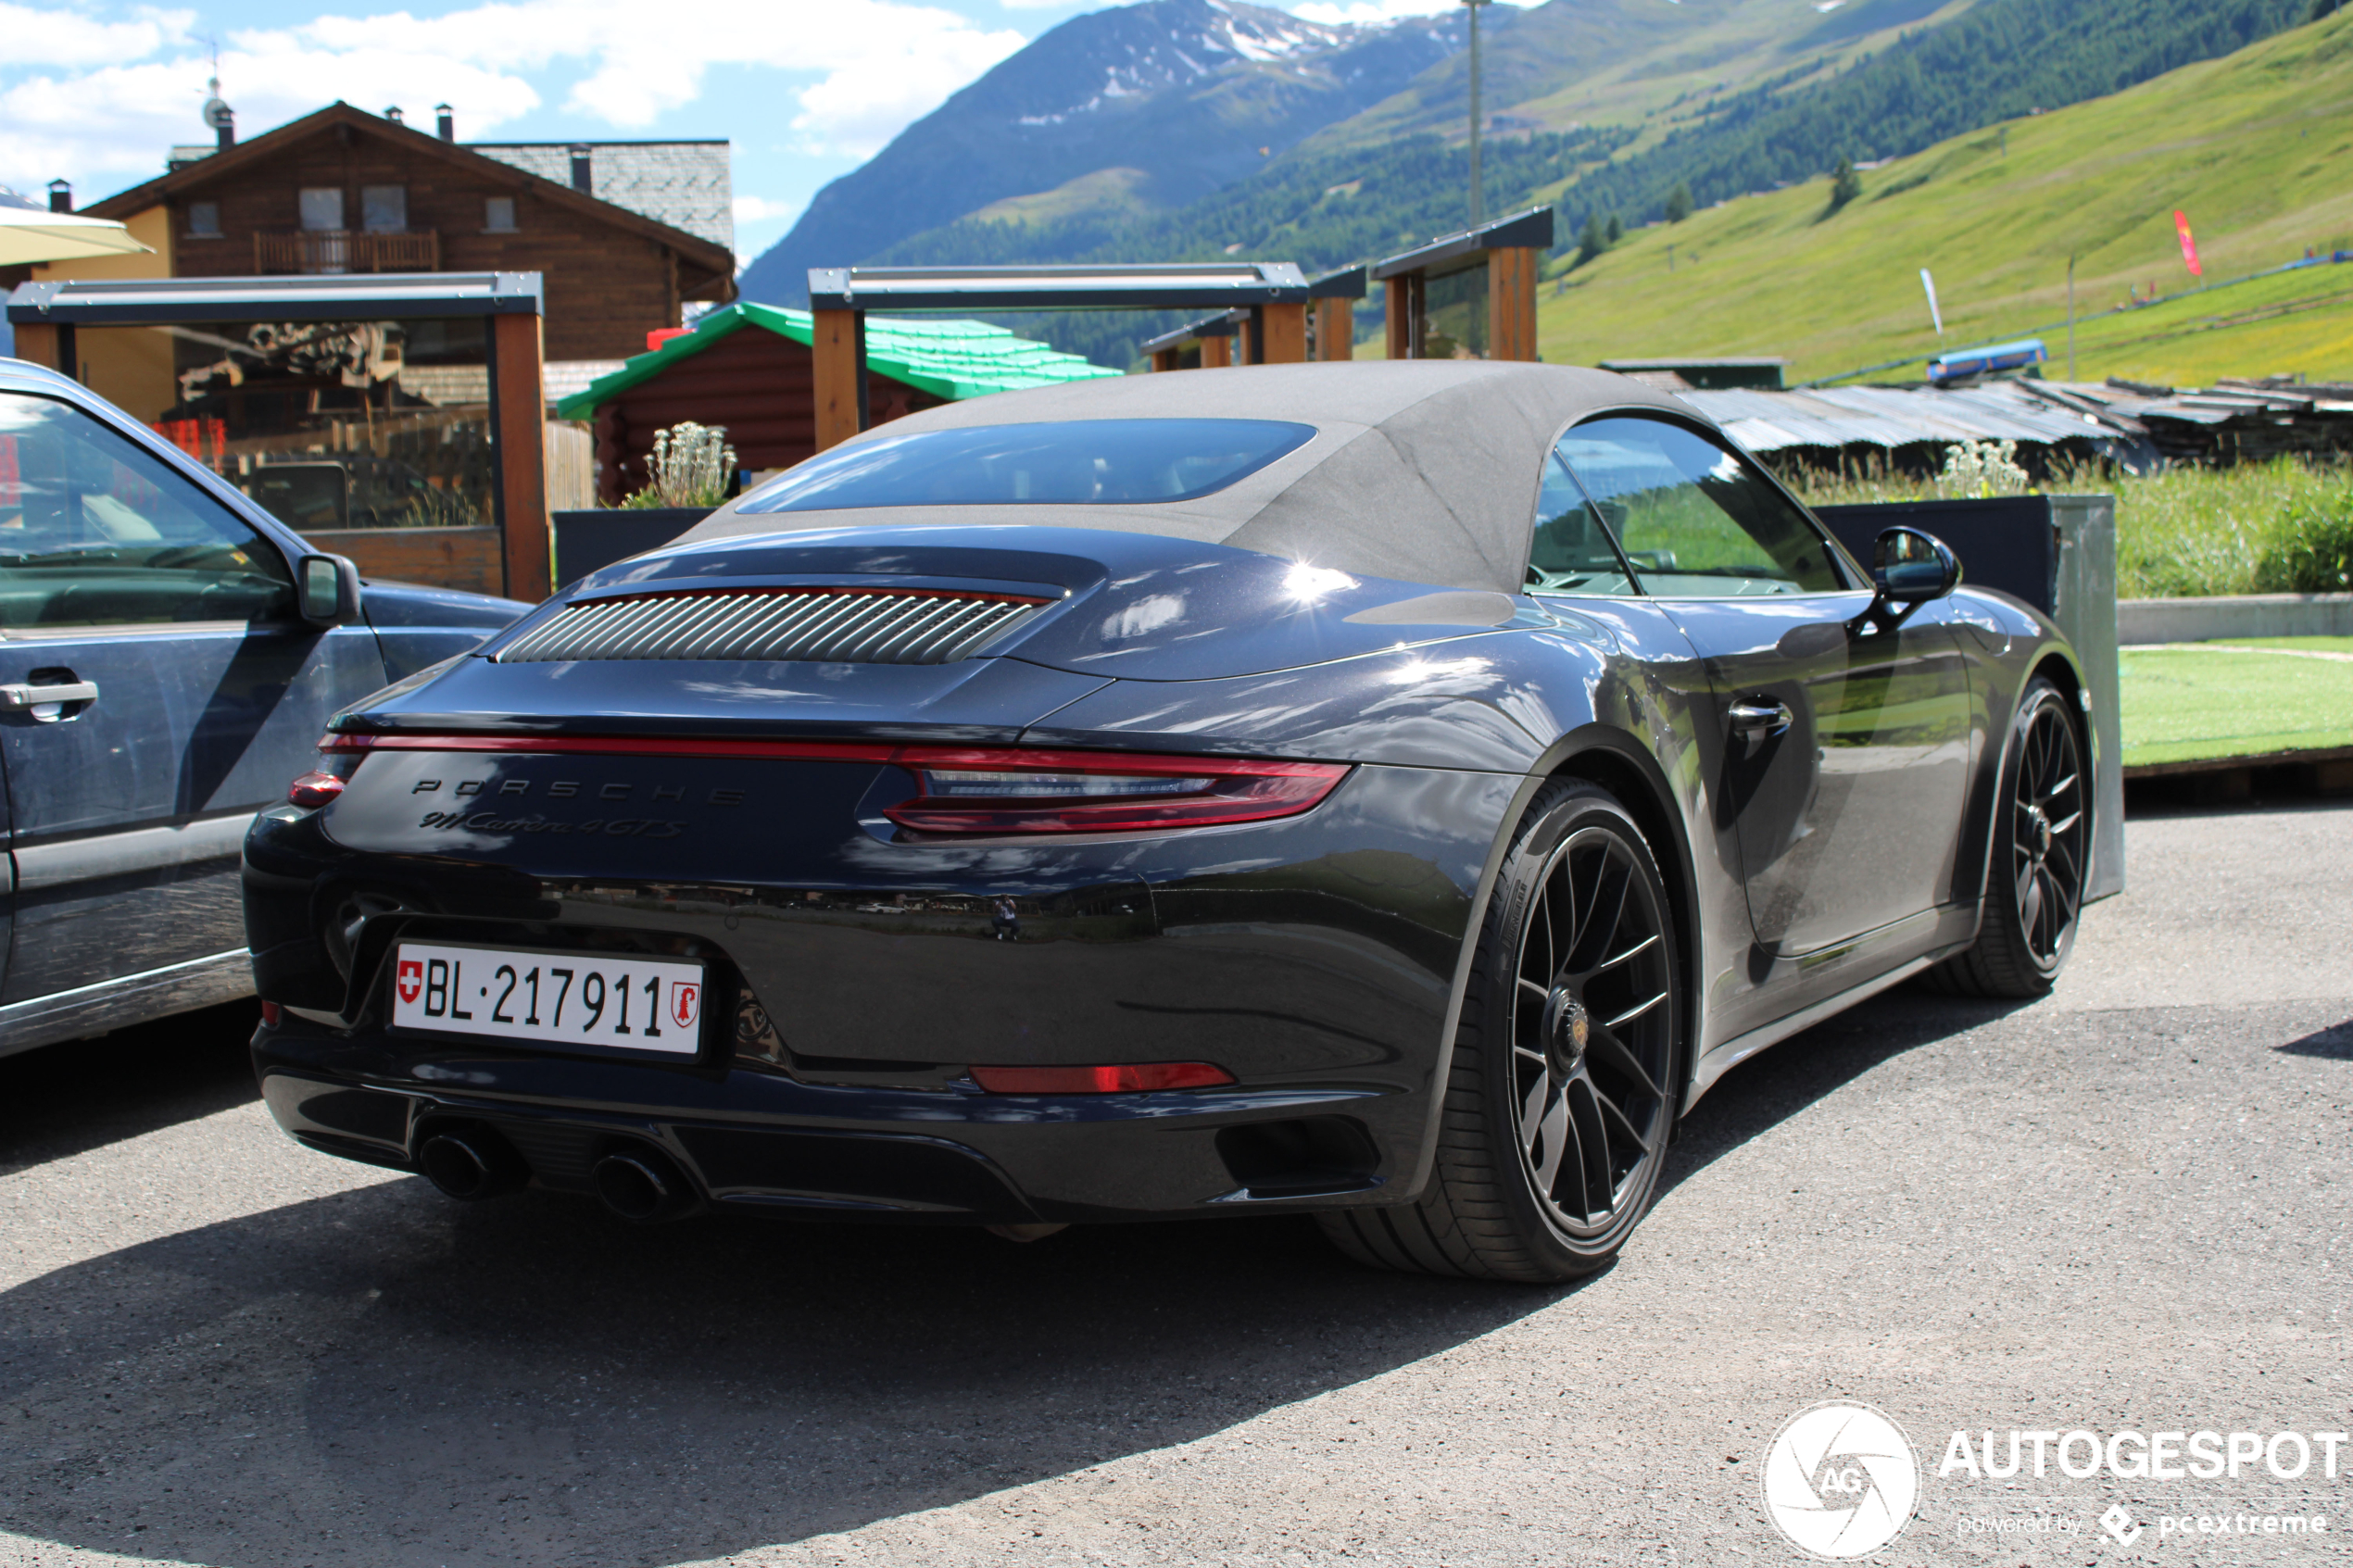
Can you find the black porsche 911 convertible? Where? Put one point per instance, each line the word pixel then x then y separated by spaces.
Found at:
pixel 1396 791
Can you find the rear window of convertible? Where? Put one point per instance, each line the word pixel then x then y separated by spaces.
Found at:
pixel 1063 463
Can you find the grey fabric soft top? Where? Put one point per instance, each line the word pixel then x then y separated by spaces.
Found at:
pixel 1425 470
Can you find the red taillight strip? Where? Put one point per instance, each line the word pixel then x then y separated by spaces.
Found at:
pixel 1244 789
pixel 622 746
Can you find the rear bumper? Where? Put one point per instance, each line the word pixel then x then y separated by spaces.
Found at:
pixel 754 1140
pixel 1313 958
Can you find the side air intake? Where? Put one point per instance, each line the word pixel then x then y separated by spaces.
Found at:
pixel 831 626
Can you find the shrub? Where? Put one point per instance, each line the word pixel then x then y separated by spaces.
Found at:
pixel 692 466
pixel 2314 551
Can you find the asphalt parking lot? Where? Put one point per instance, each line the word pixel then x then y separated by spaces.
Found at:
pixel 2121 1209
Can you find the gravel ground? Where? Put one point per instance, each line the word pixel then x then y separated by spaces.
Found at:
pixel 2124 1208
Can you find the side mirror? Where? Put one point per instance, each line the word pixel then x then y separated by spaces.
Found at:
pixel 1908 570
pixel 326 590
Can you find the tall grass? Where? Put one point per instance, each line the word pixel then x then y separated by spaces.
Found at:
pixel 2281 527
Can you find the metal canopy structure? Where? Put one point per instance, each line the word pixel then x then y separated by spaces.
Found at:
pixel 138 302
pixel 1494 266
pixel 1274 294
pixel 1212 287
pixel 47 316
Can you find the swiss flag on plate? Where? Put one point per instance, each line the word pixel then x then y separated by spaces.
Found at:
pixel 685 1002
pixel 412 979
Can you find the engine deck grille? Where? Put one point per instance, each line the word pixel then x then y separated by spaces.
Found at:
pixel 832 625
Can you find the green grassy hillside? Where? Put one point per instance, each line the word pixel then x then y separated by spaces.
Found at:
pixel 2252 146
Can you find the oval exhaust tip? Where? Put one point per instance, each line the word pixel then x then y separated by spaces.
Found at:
pixel 641 1186
pixel 469 1166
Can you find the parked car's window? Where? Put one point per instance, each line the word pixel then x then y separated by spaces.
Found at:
pixel 1058 463
pixel 1693 519
pixel 96 532
pixel 1571 553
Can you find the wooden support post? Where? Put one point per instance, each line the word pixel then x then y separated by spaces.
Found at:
pixel 37 341
pixel 1511 303
pixel 1164 358
pixel 520 431
pixel 838 369
pixel 1401 315
pixel 1286 330
pixel 1217 352
pixel 1335 329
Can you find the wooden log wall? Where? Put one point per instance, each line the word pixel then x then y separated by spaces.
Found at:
pixel 607 286
pixel 760 385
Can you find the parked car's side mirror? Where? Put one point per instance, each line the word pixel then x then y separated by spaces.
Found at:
pixel 327 590
pixel 1908 569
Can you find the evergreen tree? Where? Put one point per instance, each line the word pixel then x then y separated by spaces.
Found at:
pixel 1845 184
pixel 1592 242
pixel 1679 203
pixel 1615 232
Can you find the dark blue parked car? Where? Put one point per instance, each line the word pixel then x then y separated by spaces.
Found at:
pixel 168 656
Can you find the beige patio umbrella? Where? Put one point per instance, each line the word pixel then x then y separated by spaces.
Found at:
pixel 30 233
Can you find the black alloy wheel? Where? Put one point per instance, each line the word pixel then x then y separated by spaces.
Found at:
pixel 1562 1088
pixel 2041 855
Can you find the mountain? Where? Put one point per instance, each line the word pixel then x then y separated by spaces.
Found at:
pixel 1182 98
pixel 2251 145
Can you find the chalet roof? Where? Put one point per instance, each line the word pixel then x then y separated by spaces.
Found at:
pixel 685 184
pixel 948 358
pixel 692 247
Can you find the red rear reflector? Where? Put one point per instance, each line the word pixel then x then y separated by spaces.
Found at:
pixel 270 1015
pixel 1126 1078
pixel 314 789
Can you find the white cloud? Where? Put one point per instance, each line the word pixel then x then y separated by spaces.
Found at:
pixel 67 38
pixel 759 209
pixel 854 72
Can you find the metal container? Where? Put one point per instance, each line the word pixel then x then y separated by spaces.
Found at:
pixel 2057 552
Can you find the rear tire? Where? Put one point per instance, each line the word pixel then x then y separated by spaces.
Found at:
pixel 2041 854
pixel 1567 1071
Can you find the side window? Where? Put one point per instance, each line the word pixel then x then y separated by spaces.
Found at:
pixel 96 532
pixel 1692 518
pixel 1571 552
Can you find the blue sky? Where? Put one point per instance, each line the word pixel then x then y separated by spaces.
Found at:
pixel 805 89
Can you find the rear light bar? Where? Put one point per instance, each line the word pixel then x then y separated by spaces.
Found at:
pixel 1126 1078
pixel 968 791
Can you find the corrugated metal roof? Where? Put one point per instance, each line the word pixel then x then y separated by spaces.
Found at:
pixel 686 184
pixel 1888 416
pixel 948 358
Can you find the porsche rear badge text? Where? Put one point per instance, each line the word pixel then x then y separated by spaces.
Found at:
pixel 491 821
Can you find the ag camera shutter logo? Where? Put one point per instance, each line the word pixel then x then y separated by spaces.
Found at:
pixel 1840 1481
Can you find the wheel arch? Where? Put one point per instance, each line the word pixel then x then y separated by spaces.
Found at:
pixel 1621 764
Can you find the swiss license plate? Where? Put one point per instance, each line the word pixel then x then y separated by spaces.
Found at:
pixel 611 1001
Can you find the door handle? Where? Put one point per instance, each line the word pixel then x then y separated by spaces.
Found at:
pixel 22 697
pixel 1755 720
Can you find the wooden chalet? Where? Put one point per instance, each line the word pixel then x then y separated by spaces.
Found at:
pixel 346 190
pixel 749 368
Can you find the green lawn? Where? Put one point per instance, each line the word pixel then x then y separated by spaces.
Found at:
pixel 2185 704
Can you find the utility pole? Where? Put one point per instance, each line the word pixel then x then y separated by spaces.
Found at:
pixel 2070 318
pixel 1477 191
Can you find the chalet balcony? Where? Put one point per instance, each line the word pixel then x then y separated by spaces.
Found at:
pixel 345 250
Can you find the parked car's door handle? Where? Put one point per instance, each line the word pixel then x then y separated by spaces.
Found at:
pixel 1755 720
pixel 22 697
